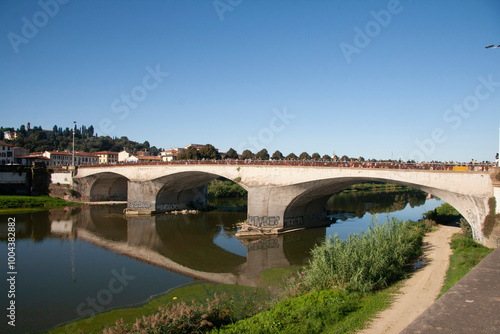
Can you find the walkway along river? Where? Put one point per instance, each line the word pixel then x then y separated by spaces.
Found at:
pixel 76 262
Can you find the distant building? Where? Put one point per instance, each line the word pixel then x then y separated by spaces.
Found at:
pixel 123 156
pixel 107 157
pixel 6 153
pixel 57 158
pixel 142 154
pixel 171 154
pixel 11 135
pixel 32 158
pixel 134 158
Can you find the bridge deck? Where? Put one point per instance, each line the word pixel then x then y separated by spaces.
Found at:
pixel 470 306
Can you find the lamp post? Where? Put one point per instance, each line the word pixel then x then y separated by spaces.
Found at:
pixel 498 160
pixel 74 125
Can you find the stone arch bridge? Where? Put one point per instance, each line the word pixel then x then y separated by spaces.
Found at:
pixel 280 198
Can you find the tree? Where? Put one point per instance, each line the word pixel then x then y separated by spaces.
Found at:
pixel 231 154
pixel 361 159
pixel 262 155
pixel 209 152
pixel 316 156
pixel 146 144
pixel 247 154
pixel 344 158
pixel 304 156
pixel 291 156
pixel 190 153
pixel 277 156
pixel 326 157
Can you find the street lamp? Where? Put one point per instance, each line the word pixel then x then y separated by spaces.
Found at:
pixel 74 126
pixel 498 158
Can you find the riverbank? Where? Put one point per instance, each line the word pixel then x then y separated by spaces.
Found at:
pixel 17 204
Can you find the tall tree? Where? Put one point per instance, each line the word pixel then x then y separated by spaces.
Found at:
pixel 209 152
pixel 316 156
pixel 291 156
pixel 326 157
pixel 304 156
pixel 247 154
pixel 190 153
pixel 277 155
pixel 231 154
pixel 262 155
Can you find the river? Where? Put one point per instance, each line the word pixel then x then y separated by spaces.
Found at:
pixel 77 261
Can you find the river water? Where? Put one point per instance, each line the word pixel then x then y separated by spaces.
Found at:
pixel 75 262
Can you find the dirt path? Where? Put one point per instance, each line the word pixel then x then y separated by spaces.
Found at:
pixel 422 289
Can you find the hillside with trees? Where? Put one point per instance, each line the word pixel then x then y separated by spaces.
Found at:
pixel 37 139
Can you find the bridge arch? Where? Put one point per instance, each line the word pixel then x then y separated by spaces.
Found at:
pixel 184 190
pixel 310 204
pixel 109 186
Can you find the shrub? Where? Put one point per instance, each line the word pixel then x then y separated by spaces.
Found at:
pixel 368 261
pixel 181 318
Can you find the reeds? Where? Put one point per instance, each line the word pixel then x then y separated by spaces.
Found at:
pixel 367 261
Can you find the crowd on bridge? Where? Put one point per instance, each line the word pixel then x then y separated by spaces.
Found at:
pixel 387 164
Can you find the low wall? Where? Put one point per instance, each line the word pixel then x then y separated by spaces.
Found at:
pixel 61 178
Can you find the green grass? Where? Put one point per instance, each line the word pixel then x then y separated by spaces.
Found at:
pixel 324 311
pixel 16 204
pixel 466 255
pixel 195 291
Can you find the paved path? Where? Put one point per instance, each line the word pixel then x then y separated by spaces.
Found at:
pixel 421 289
pixel 472 305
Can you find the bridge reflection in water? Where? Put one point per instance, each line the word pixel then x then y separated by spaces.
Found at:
pixel 190 244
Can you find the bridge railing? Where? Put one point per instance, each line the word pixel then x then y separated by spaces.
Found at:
pixel 310 163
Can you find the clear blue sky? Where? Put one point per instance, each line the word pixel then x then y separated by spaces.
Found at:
pixel 377 79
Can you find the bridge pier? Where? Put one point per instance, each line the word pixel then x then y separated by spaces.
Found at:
pixel 269 211
pixel 147 197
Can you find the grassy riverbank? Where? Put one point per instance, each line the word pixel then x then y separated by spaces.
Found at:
pixel 345 284
pixel 245 301
pixel 16 204
pixel 466 255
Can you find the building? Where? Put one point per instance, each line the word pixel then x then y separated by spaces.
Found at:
pixel 142 159
pixel 142 154
pixel 123 156
pixel 107 157
pixel 171 154
pixel 6 153
pixel 57 158
pixel 32 159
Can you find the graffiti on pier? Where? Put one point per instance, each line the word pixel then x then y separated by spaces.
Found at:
pixel 167 207
pixel 302 221
pixel 292 222
pixel 263 244
pixel 263 221
pixel 140 205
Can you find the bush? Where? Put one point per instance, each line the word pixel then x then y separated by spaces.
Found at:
pixel 368 261
pixel 181 318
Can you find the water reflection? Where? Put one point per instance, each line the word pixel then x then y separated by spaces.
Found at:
pixel 186 243
pixel 357 203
